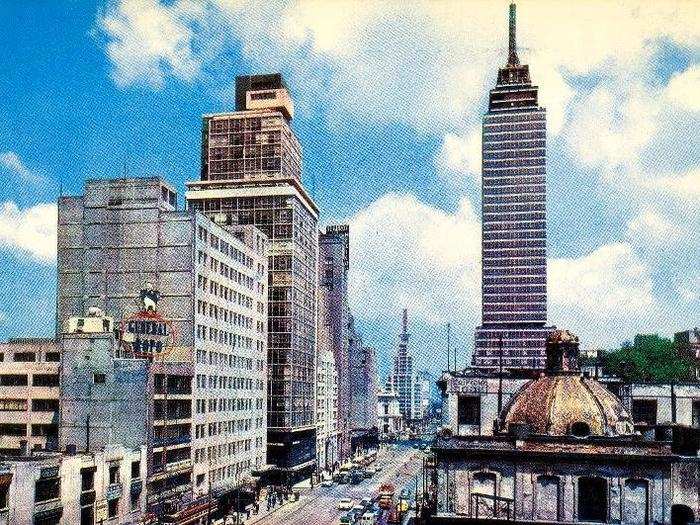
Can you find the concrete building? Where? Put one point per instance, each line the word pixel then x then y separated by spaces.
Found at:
pixel 422 386
pixel 28 395
pixel 563 450
pixel 402 377
pixel 251 174
pixel 514 235
pixel 390 422
pixel 71 489
pixel 334 319
pixel 688 344
pixel 327 437
pixel 188 295
pixel 363 386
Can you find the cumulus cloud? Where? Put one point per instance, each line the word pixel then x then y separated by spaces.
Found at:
pixel 684 89
pixel 651 226
pixel 14 164
pixel 459 158
pixel 29 232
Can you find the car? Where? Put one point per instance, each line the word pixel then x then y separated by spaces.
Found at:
pixel 347 519
pixel 366 502
pixel 368 518
pixel 345 504
pixel 327 483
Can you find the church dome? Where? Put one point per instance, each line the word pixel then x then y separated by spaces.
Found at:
pixel 562 402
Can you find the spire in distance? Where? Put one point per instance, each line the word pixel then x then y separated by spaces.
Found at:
pixel 512 48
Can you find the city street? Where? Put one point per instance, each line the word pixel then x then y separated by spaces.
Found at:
pixel 320 505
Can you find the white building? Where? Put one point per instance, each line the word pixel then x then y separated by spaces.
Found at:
pixel 389 419
pixel 326 411
pixel 55 489
pixel 421 395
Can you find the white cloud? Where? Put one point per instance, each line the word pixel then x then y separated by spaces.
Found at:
pixel 684 89
pixel 652 227
pixel 409 254
pixel 459 158
pixel 686 185
pixel 148 40
pixel 29 232
pixel 13 163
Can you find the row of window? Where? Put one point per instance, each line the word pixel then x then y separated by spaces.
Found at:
pixel 19 429
pixel 520 225
pixel 223 337
pixel 489 136
pixel 224 247
pixel 202 406
pixel 519 126
pixel 230 360
pixel 50 380
pixel 224 314
pixel 513 154
pixel 539 160
pixel 522 307
pixel 523 317
pixel 497 182
pixel 513 199
pixel 502 244
pixel 526 116
pixel 517 234
pixel 20 405
pixel 239 383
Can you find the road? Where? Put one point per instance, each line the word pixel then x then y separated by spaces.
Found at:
pixel 320 505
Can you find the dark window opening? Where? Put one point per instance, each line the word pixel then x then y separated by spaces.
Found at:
pixel 469 410
pixel 45 380
pixel 24 357
pixel 87 479
pixel 580 429
pixel 113 508
pixel 592 499
pixel 47 489
pixel 45 405
pixel 114 473
pixel 99 379
pixel 135 469
pixel 644 411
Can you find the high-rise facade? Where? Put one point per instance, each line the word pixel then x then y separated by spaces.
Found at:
pixel 363 387
pixel 402 378
pixel 514 240
pixel 333 318
pixel 251 175
pixel 123 246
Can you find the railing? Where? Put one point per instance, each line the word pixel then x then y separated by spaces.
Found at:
pixel 495 507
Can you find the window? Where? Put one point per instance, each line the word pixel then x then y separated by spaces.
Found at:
pixel 644 411
pixel 4 489
pixel 113 473
pixel 53 357
pixel 696 413
pixel 13 380
pixel 13 405
pixel 135 469
pixel 469 410
pixel 134 500
pixel 113 508
pixel 45 405
pixel 45 380
pixel 98 378
pixel 87 478
pixel 46 489
pixel 592 499
pixel 580 429
pixel 11 429
pixel 24 357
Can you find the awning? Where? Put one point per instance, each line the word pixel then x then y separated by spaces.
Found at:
pixel 5 479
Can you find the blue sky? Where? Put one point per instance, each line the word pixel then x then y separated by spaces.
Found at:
pixel 388 107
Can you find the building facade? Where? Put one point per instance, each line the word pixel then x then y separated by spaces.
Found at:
pixel 402 378
pixel 514 241
pixel 334 318
pixel 363 387
pixel 562 449
pixel 688 344
pixel 327 438
pixel 189 297
pixel 390 422
pixel 251 175
pixel 421 396
pixel 29 395
pixel 71 489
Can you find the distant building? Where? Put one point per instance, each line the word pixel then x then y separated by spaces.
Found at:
pixel 53 489
pixel 389 419
pixel 688 345
pixel 251 174
pixel 28 395
pixel 326 411
pixel 402 377
pixel 334 318
pixel 514 232
pixel 189 301
pixel 563 449
pixel 421 395
pixel 363 374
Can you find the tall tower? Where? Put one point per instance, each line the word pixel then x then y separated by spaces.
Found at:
pixel 514 237
pixel 251 174
pixel 402 377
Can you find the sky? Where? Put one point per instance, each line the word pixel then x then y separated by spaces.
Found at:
pixel 389 98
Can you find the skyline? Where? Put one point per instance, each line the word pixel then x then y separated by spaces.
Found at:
pixel 55 132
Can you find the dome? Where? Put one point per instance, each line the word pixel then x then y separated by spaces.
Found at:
pixel 560 405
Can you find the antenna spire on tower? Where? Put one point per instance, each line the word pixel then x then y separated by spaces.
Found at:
pixel 512 47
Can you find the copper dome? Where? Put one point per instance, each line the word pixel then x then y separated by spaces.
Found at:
pixel 562 405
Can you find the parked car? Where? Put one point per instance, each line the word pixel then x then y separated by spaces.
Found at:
pixel 347 519
pixel 345 504
pixel 368 518
pixel 327 483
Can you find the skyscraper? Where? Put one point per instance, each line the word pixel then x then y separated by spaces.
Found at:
pixel 401 379
pixel 251 174
pixel 514 240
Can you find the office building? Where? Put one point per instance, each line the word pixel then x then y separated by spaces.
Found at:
pixel 251 175
pixel 363 387
pixel 402 378
pixel 189 297
pixel 28 395
pixel 334 318
pixel 326 411
pixel 388 413
pixel 514 236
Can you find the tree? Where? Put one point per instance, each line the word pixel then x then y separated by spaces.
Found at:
pixel 649 358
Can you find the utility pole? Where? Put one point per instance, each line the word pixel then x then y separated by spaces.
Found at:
pixel 500 373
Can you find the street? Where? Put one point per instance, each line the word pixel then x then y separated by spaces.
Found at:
pixel 320 505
